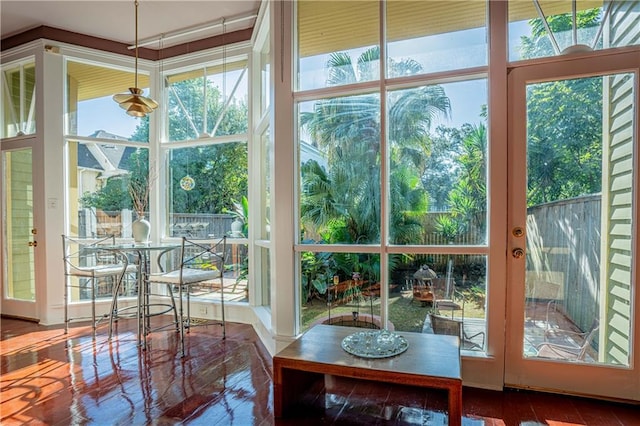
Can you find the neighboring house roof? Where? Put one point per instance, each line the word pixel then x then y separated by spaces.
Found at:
pixel 104 157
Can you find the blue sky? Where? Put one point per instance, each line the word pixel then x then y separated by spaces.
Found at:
pixel 467 47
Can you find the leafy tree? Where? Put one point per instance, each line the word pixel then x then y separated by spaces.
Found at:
pixel 468 198
pixel 564 123
pixel 342 203
pixel 440 166
pixel 114 195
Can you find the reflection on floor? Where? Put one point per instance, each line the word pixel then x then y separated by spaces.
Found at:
pixel 55 379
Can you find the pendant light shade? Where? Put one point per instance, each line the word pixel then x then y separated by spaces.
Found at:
pixel 133 102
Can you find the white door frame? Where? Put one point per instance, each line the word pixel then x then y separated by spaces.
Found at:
pixel 536 373
pixel 15 307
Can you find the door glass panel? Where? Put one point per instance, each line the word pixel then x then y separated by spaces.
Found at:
pixel 580 155
pixel 19 255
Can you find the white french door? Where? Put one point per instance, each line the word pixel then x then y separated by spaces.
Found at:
pixel 19 231
pixel 572 291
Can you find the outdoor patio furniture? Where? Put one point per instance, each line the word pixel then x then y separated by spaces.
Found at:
pixel 454 327
pixel 567 345
pixel 446 297
pixel 422 292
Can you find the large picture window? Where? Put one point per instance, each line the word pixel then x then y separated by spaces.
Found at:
pixel 205 162
pixel 394 170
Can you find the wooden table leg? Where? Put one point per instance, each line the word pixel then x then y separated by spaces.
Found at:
pixel 288 386
pixel 455 405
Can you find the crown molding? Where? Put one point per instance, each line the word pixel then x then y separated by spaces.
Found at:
pixel 83 40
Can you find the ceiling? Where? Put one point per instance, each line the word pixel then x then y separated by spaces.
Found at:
pixel 114 19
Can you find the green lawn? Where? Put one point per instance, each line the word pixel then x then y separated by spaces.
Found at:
pixel 405 314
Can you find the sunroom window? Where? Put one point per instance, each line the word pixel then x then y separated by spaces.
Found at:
pixel 205 163
pixel 544 28
pixel 392 174
pixel 18 100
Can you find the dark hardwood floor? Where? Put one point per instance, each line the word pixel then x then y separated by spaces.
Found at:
pixel 49 378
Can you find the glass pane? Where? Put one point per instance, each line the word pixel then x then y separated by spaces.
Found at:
pixel 337 43
pixel 101 180
pixel 265 79
pixel 266 157
pixel 580 156
pixel 207 191
pixel 265 276
pixel 18 102
pixel 19 274
pixel 221 88
pixel 340 289
pixel 234 278
pixel 340 170
pixel 452 287
pixel 431 36
pixel 438 164
pixel 91 109
pixel 596 27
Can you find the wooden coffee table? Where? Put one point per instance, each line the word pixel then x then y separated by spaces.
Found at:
pixel 432 361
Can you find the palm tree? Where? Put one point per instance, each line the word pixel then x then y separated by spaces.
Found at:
pixel 342 203
pixel 468 198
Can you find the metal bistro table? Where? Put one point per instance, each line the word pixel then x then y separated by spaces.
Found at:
pixel 141 252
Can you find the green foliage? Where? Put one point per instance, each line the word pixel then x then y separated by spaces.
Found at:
pixel 342 203
pixel 114 195
pixel 448 227
pixel 468 196
pixel 220 175
pixel 564 122
pixel 318 270
pixel 241 212
pixel 564 139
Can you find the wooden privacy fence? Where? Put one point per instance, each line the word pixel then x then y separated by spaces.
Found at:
pixel 96 223
pixel 563 242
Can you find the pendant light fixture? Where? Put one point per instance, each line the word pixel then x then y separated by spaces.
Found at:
pixel 133 102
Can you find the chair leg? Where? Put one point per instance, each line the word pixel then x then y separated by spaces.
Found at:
pixel 93 305
pixel 224 328
pixel 175 310
pixel 188 310
pixel 66 305
pixel 113 310
pixel 181 315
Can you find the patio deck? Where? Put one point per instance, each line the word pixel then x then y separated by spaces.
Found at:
pixel 537 323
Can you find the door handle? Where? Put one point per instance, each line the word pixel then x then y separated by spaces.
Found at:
pixel 33 244
pixel 517 252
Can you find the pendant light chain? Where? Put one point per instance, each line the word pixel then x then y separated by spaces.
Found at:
pixel 136 38
pixel 134 102
pixel 224 65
